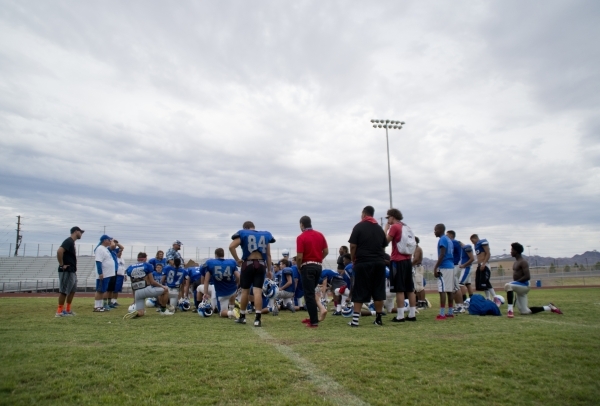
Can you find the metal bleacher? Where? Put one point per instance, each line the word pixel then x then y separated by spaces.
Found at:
pixel 19 274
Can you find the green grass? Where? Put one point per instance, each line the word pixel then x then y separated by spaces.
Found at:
pixel 93 358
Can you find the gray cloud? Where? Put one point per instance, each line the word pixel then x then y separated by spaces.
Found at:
pixel 190 118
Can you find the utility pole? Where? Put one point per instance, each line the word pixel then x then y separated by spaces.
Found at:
pixel 19 236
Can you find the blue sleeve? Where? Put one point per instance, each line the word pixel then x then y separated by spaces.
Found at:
pixel 236 236
pixel 99 267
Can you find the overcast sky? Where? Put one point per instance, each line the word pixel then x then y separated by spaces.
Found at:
pixel 180 120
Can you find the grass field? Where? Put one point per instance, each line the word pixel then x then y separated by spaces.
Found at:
pixel 92 359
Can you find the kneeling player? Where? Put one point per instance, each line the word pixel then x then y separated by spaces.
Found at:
pixel 287 288
pixel 520 286
pixel 334 282
pixel 176 279
pixel 144 286
pixel 226 279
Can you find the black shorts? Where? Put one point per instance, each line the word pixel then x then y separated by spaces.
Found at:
pixel 401 276
pixel 112 283
pixel 482 279
pixel 369 282
pixel 253 273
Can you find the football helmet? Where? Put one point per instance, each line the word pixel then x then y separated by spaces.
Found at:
pixel 184 305
pixel 347 311
pixel 499 300
pixel 205 309
pixel 151 302
pixel 270 289
pixel 132 308
pixel 285 252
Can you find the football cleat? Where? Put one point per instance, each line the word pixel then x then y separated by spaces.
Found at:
pixel 510 314
pixel 167 313
pixel 554 309
pixel 411 319
pixel 440 317
pixel 397 320
pixel 130 315
pixel 336 313
pixel 257 323
pixel 241 320
pixel 62 314
pixel 99 309
pixel 290 307
pixel 378 322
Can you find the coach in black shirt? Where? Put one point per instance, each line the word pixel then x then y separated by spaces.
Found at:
pixel 367 244
pixel 67 272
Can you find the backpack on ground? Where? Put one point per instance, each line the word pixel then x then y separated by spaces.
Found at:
pixel 407 244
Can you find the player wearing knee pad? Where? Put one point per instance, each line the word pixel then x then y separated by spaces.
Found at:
pixel 226 280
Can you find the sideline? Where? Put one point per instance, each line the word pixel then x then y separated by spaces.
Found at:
pixel 328 387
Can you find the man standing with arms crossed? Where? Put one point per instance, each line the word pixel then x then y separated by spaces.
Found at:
pixel 367 244
pixel 401 277
pixel 311 250
pixel 67 272
pixel 256 259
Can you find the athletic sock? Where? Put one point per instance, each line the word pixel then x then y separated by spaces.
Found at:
pixel 441 311
pixel 68 307
pixel 450 311
pixel 470 295
pixel 412 311
pixel 400 315
pixel 97 303
pixel 510 307
pixel 464 298
pixel 60 309
pixel 338 308
pixel 355 317
pixel 492 292
pixel 243 314
pixel 546 308
pixel 378 317
pixel 163 309
pixel 258 316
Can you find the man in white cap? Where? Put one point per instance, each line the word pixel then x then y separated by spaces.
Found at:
pixel 173 253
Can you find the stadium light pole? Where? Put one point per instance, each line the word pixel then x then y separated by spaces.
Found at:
pixel 393 125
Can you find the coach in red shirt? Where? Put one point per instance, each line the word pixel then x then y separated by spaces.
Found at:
pixel 311 250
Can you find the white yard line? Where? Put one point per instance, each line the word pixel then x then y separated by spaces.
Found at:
pixel 333 391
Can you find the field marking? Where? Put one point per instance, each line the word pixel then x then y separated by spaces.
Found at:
pixel 335 392
pixel 562 323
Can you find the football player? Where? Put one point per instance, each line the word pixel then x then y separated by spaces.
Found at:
pixel 299 293
pixel 176 279
pixel 520 286
pixel 483 273
pixel 144 286
pixel 456 255
pixel 226 280
pixel 256 259
pixel 159 259
pixel 287 288
pixel 466 259
pixel 333 282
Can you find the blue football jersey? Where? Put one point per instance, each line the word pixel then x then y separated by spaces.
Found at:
pixel 157 275
pixel 465 255
pixel 139 270
pixel 329 275
pixel 155 261
pixel 299 289
pixel 175 276
pixel 480 244
pixel 277 277
pixel 203 270
pixel 194 274
pixel 284 273
pixel 252 240
pixel 448 260
pixel 222 274
pixel 456 252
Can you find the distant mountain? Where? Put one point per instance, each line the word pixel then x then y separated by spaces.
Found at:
pixel 588 258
